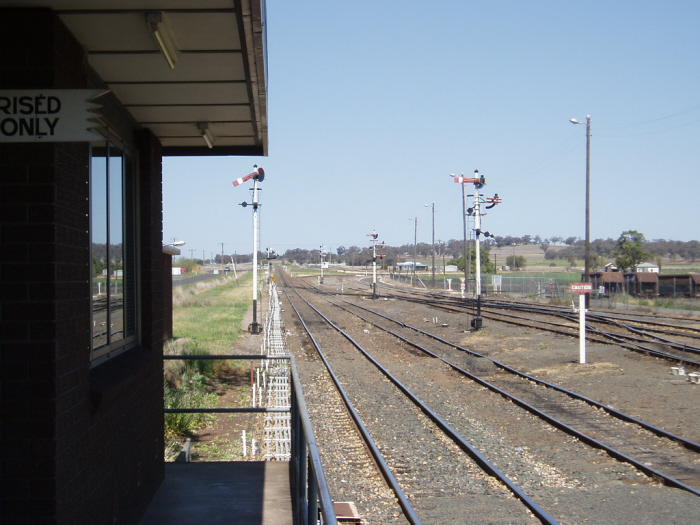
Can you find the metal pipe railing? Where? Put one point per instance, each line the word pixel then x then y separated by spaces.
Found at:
pixel 309 488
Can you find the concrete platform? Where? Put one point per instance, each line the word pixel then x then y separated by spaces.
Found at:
pixel 240 492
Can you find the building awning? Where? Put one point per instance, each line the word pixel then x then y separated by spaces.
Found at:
pixel 186 70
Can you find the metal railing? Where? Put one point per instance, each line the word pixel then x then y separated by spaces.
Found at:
pixel 309 488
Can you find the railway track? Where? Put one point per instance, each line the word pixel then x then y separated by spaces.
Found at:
pixel 403 466
pixel 446 413
pixel 635 333
pixel 564 409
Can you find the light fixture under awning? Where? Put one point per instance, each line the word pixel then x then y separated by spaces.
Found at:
pixel 206 134
pixel 163 36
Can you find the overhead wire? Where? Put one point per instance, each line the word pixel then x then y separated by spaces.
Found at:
pixel 552 155
pixel 682 112
pixel 572 143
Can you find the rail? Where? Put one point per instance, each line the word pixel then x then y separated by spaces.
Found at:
pixel 467 447
pixel 309 488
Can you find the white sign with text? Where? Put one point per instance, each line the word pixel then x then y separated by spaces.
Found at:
pixel 48 115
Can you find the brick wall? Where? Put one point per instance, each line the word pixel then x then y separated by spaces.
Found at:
pixel 167 297
pixel 77 445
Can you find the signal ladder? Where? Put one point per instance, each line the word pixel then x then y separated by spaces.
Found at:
pixel 275 384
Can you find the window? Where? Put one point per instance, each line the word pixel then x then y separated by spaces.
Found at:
pixel 113 243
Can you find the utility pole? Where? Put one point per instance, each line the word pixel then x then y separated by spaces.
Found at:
pixel 222 258
pixel 587 248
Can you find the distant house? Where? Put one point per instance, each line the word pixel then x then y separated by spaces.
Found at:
pixel 646 267
pixel 611 267
pixel 451 268
pixel 408 266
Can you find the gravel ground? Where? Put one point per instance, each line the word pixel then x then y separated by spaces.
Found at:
pixel 579 484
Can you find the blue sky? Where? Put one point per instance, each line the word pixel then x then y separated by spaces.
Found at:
pixel 372 104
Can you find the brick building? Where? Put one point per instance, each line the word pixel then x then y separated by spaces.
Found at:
pixel 81 259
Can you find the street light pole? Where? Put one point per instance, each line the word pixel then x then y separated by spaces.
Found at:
pixel 587 248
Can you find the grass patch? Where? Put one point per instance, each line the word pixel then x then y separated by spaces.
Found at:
pixel 187 395
pixel 212 313
pixel 207 320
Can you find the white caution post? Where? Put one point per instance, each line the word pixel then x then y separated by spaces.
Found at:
pixel 581 289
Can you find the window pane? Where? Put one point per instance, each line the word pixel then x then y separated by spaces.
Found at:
pixel 98 232
pixel 114 254
pixel 116 244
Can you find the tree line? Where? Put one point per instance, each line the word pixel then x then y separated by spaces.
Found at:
pixel 629 249
pixel 570 248
pixel 452 252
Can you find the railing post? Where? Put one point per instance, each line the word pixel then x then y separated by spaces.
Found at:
pixel 312 498
pixel 304 481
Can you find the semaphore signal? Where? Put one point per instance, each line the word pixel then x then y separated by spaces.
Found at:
pixel 479 182
pixel 258 175
pixel 382 244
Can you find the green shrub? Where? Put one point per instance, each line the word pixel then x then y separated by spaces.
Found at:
pixel 194 367
pixel 188 395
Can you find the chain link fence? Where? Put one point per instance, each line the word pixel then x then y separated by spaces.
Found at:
pixel 554 288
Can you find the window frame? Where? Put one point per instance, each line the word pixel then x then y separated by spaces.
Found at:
pixel 130 275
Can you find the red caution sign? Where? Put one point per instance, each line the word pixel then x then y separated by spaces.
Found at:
pixel 581 288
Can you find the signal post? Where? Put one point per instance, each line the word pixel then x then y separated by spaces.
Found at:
pixel 479 182
pixel 258 175
pixel 382 244
pixel 581 289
